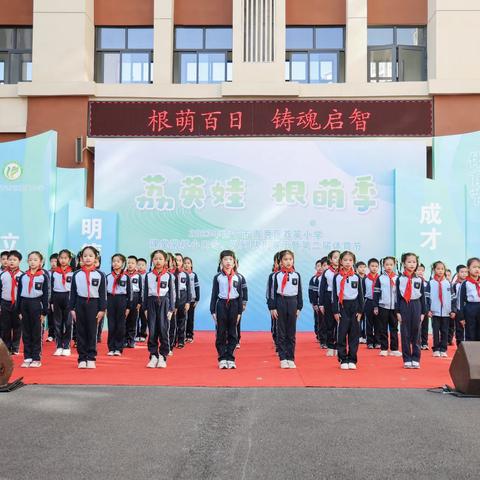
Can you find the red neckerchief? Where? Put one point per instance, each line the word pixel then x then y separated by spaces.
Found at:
pixel 180 269
pixel 126 272
pixel 159 275
pixel 286 272
pixel 276 269
pixel 440 293
pixel 142 272
pixel 13 274
pixel 171 270
pixel 344 275
pixel 408 289
pixel 31 277
pixel 63 273
pixel 373 278
pixel 230 279
pixel 391 277
pixel 116 279
pixel 333 270
pixel 318 274
pixel 475 282
pixel 87 272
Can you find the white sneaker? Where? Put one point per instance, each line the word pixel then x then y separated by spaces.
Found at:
pixel 50 339
pixel 231 364
pixel 330 352
pixel 395 353
pixel 335 353
pixel 444 354
pixel 415 364
pixel 111 353
pixel 362 340
pixel 153 362
pixel 36 364
pixel 91 364
pixel 82 365
pixel 237 346
pixel 117 353
pixel 170 353
pixel 344 366
pixel 58 352
pixel 407 365
pixel 26 363
pixel 291 364
pixel 66 352
pixel 284 364
pixel 383 353
pixel 222 364
pixel 161 362
pixel 352 366
pixel 436 354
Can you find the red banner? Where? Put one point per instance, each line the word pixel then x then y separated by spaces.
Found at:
pixel 265 118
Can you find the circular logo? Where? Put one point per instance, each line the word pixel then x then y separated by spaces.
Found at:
pixel 12 171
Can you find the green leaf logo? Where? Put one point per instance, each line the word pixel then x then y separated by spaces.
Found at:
pixel 12 171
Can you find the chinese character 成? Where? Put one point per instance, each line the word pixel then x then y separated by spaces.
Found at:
pixel 431 214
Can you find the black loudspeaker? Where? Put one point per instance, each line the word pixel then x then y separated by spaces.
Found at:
pixel 79 150
pixel 6 364
pixel 465 368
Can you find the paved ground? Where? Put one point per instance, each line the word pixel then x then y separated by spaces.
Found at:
pixel 198 433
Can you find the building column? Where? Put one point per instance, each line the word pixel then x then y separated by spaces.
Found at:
pixel 163 29
pixel 356 57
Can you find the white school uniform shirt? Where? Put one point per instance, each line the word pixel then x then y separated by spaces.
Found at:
pixel 388 292
pixel 440 309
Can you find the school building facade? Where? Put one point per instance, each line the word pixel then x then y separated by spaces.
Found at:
pixel 62 61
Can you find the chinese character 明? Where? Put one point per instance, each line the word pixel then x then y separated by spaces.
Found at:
pixel 365 189
pixel 431 238
pixel 308 120
pixel 186 120
pixel 154 197
pixel 335 121
pixel 283 119
pixel 330 194
pixel 359 118
pixel 158 121
pixel 236 120
pixel 431 214
pixel 92 228
pixel 192 192
pixel 211 120
pixel 292 193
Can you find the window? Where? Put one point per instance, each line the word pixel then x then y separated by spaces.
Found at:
pixel 397 54
pixel 315 54
pixel 124 55
pixel 15 55
pixel 202 55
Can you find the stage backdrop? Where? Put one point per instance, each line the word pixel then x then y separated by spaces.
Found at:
pixel 255 197
pixel 27 193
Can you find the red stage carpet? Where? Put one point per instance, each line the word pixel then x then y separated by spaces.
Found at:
pixel 257 366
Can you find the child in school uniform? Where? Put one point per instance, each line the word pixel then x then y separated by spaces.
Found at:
pixel 410 309
pixel 243 282
pixel 88 302
pixel 195 298
pixel 313 292
pixel 371 317
pixel 287 303
pixel 4 260
pixel 33 298
pixel 226 307
pixel 136 301
pixel 10 325
pixel 426 320
pixel 470 300
pixel 50 316
pixel 142 319
pixel 172 266
pixel 61 282
pixel 361 270
pixel 347 307
pixel 460 277
pixel 184 298
pixel 441 306
pixel 98 262
pixel 119 299
pixel 269 297
pixel 159 303
pixel 384 301
pixel 326 299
